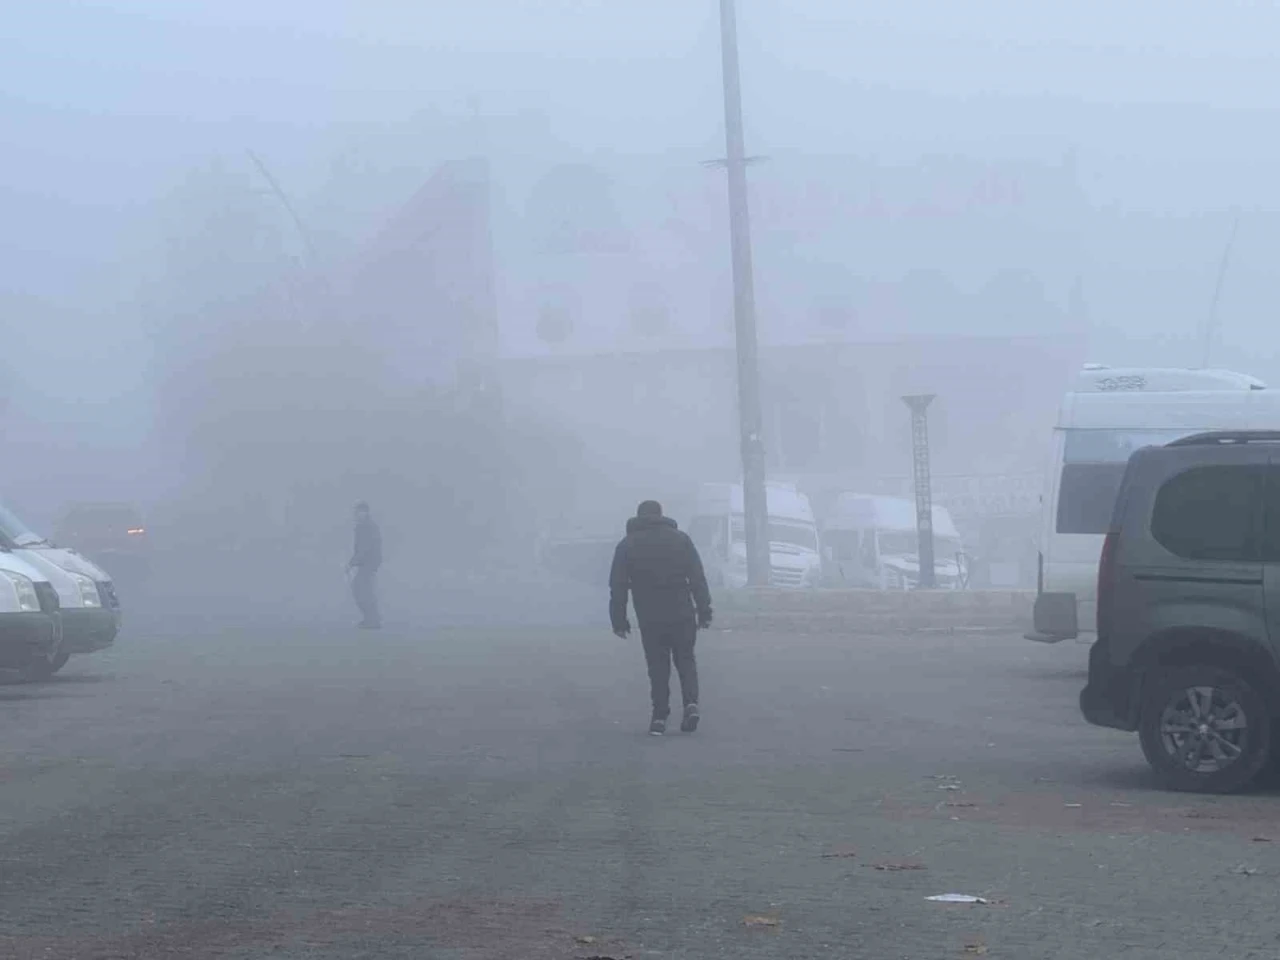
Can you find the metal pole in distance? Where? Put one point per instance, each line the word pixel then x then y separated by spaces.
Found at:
pixel 919 405
pixel 755 504
pixel 1211 324
pixel 274 184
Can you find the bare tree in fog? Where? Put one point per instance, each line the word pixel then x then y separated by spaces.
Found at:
pixel 284 406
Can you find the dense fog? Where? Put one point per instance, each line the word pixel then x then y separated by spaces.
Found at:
pixel 470 263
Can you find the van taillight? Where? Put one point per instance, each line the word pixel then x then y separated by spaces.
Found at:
pixel 1106 579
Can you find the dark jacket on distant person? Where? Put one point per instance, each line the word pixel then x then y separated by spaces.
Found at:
pixel 660 566
pixel 367 554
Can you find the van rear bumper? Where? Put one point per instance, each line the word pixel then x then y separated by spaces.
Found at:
pixel 1054 618
pixel 1113 695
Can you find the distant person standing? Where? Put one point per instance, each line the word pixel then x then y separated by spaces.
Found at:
pixel 660 567
pixel 366 558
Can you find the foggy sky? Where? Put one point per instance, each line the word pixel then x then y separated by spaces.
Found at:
pixel 105 107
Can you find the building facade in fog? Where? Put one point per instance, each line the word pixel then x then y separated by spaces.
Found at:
pixel 600 305
pixel 422 289
pixel 665 420
pixel 950 276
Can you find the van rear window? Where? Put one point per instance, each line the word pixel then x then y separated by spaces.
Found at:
pixel 1087 496
pixel 1210 513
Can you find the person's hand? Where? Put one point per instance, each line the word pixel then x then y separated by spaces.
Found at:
pixel 622 630
pixel 704 619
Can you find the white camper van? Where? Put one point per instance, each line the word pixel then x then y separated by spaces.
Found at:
pixel 719 528
pixel 1109 414
pixel 872 542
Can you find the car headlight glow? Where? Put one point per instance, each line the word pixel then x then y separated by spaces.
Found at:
pixel 28 601
pixel 89 596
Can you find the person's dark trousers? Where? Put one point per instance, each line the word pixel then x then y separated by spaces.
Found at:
pixel 364 591
pixel 664 643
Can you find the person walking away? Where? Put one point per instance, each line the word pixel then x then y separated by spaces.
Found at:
pixel 659 566
pixel 366 558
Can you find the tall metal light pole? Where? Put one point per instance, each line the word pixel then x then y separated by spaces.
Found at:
pixel 755 505
pixel 919 405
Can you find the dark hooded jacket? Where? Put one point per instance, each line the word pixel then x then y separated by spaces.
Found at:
pixel 367 553
pixel 661 568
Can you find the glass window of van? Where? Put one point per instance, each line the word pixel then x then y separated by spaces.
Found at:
pixel 15 532
pixel 1093 466
pixel 1115 446
pixel 796 534
pixel 1210 513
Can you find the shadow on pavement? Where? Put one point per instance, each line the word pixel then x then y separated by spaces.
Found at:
pixel 1046 671
pixel 13 688
pixel 16 691
pixel 1138 777
pixel 74 678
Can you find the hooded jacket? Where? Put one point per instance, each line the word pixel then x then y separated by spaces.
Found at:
pixel 367 553
pixel 659 565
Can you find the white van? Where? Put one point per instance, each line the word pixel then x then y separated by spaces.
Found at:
pixel 719 529
pixel 1108 415
pixel 872 542
pixel 30 628
pixel 89 608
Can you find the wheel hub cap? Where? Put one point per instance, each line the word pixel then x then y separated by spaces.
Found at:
pixel 1205 729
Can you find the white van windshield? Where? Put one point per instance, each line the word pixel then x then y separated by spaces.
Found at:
pixel 15 531
pixel 781 532
pixel 906 543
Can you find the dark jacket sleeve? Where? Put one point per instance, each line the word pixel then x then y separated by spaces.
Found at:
pixel 697 579
pixel 619 584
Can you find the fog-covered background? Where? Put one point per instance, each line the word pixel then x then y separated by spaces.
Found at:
pixel 508 306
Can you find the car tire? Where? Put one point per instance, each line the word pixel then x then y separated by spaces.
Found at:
pixel 42 670
pixel 1204 729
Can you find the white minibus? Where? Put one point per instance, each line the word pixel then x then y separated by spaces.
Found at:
pixel 1108 414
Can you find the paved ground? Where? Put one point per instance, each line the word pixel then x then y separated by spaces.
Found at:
pixel 220 791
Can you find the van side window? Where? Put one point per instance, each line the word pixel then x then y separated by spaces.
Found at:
pixel 1087 496
pixel 1210 513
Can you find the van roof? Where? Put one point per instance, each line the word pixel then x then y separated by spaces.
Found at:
pixel 1197 410
pixel 1096 378
pixel 785 501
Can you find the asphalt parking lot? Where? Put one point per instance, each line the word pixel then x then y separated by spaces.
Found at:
pixel 235 790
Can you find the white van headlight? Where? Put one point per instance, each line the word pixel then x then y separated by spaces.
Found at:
pixel 89 596
pixel 28 601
